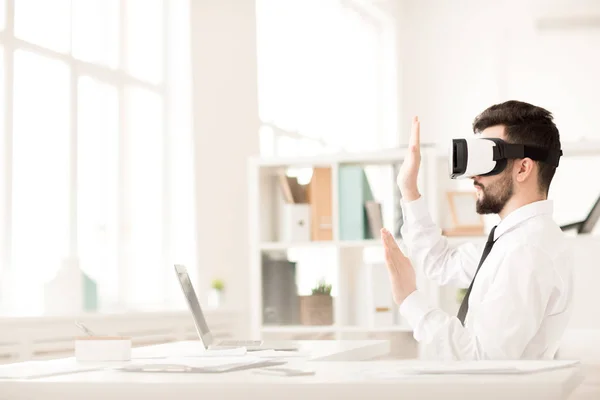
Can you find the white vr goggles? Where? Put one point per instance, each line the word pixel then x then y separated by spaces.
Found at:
pixel 488 156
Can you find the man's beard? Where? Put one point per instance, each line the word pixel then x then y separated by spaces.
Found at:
pixel 494 198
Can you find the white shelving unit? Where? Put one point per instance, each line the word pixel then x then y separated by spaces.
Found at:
pixel 353 258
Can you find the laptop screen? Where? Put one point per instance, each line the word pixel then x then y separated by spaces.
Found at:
pixel 194 304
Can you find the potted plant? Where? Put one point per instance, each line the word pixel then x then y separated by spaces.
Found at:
pixel 317 309
pixel 215 297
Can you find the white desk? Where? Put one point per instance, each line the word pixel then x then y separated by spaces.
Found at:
pixel 333 379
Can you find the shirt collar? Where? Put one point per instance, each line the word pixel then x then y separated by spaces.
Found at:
pixel 521 214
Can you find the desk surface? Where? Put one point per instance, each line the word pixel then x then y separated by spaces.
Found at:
pixel 347 379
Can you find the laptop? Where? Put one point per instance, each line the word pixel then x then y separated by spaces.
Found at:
pixel 202 327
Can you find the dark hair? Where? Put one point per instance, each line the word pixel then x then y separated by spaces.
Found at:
pixel 524 124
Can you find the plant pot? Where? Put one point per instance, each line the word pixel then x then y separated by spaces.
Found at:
pixel 215 298
pixel 316 309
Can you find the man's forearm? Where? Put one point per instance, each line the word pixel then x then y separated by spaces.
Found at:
pixel 430 251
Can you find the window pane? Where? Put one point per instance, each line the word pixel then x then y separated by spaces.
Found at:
pixel 97 180
pixel 2 14
pixel 181 172
pixel 45 23
pixel 347 113
pixel 96 31
pixel 2 176
pixel 40 196
pixel 144 198
pixel 144 39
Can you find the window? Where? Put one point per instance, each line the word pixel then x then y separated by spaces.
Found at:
pixel 40 173
pixel 98 183
pixel 325 89
pixel 96 31
pixel 2 14
pixel 44 23
pixel 144 39
pixel 99 162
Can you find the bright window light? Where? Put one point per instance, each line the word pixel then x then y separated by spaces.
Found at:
pixel 44 23
pixel 97 183
pixel 96 31
pixel 40 190
pixel 2 14
pixel 3 227
pixel 144 177
pixel 144 39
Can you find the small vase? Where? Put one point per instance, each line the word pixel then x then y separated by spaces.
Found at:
pixel 215 298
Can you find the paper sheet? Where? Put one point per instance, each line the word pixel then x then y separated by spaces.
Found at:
pixel 278 354
pixel 197 362
pixel 198 365
pixel 491 367
pixel 465 368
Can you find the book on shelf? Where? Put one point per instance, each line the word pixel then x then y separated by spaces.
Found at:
pixel 354 193
pixel 281 303
pixel 374 218
pixel 320 200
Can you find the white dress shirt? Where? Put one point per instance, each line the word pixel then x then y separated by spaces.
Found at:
pixel 521 300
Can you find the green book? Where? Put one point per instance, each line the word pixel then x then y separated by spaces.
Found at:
pixel 354 192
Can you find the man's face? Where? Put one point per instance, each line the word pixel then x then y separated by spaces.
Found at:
pixel 493 192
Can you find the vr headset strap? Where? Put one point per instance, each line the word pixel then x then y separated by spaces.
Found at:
pixel 512 150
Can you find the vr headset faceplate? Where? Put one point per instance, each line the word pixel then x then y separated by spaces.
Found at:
pixel 488 156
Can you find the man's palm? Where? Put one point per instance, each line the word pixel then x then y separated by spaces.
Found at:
pixel 409 172
pixel 400 269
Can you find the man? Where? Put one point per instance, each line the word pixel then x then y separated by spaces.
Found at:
pixel 519 303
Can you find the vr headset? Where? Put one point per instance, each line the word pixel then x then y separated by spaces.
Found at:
pixel 488 156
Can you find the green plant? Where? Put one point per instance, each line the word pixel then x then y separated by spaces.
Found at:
pixel 218 284
pixel 322 288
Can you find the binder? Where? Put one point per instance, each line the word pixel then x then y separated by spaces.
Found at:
pixel 354 193
pixel 319 197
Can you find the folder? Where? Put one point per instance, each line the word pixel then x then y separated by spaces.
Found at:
pixel 319 197
pixel 354 193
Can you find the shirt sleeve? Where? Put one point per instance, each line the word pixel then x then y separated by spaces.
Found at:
pixel 430 252
pixel 501 326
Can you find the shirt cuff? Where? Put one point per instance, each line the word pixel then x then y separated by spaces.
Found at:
pixel 414 210
pixel 414 308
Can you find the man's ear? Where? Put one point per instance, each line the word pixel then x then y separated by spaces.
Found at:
pixel 524 169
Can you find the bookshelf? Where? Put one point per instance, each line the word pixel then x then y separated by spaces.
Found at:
pixel 354 266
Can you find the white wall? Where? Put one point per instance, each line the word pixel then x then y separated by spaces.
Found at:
pixel 459 57
pixel 226 133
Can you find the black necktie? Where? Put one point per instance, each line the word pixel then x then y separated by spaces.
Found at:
pixel 464 307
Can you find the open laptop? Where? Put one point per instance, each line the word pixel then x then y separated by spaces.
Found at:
pixel 202 327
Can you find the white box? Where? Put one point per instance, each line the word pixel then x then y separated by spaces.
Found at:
pixel 295 223
pixel 103 348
